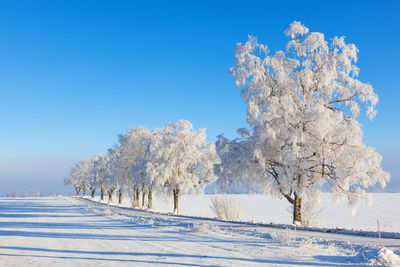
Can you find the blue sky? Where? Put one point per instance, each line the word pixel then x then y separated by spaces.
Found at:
pixel 74 74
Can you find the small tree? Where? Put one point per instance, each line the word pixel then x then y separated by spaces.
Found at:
pixel 302 106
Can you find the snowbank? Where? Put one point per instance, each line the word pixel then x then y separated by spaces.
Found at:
pixel 335 217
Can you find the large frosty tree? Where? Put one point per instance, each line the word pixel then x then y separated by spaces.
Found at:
pixel 302 106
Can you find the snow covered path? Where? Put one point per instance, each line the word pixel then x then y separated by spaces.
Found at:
pixel 71 232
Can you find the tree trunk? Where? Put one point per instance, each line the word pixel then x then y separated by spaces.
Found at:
pixel 78 190
pixel 297 210
pixel 143 198
pixel 110 195
pixel 102 193
pixel 175 192
pixel 133 196
pixel 93 191
pixel 84 191
pixel 137 200
pixel 150 199
pixel 120 198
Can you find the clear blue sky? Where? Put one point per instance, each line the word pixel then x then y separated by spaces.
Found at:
pixel 74 74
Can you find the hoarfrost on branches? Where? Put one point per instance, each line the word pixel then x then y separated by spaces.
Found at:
pixel 302 106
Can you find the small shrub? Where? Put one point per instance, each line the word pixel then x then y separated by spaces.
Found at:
pixel 226 208
pixel 310 214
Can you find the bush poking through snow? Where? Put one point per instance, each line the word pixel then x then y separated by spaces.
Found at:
pixel 311 216
pixel 226 208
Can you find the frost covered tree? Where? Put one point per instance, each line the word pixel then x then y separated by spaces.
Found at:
pixel 73 179
pixel 302 106
pixel 130 147
pixel 89 175
pixel 173 161
pixel 78 177
pixel 113 181
pixel 121 169
pixel 101 172
pixel 139 140
pixel 181 160
pixel 236 168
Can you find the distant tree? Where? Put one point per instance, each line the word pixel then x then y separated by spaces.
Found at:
pixel 180 160
pixel 101 172
pixel 130 146
pixel 111 183
pixel 81 176
pixel 74 178
pixel 88 175
pixel 302 106
pixel 136 143
pixel 119 173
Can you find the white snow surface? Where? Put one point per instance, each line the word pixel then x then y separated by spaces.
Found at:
pixel 259 208
pixel 69 231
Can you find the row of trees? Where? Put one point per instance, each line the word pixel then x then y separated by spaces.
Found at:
pixel 170 161
pixel 302 109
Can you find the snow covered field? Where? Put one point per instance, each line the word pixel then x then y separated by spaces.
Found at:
pixel 67 231
pixel 264 209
